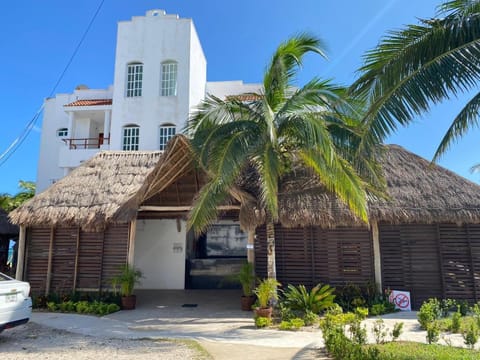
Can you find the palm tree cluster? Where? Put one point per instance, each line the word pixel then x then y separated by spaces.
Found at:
pixel 10 202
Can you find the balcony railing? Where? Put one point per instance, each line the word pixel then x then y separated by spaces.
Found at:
pixel 86 143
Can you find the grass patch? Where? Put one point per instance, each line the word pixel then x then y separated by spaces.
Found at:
pixel 410 350
pixel 201 352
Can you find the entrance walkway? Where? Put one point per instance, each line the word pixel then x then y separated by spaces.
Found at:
pixel 216 322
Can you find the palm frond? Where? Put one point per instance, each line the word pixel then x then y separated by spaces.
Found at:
pixel 467 119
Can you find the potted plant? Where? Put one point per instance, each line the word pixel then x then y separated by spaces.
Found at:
pixel 246 277
pixel 266 291
pixel 128 277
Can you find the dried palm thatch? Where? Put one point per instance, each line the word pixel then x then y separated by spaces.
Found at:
pixel 418 192
pixel 108 188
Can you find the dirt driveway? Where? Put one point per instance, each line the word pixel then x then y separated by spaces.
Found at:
pixel 33 341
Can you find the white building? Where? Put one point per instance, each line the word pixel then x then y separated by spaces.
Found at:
pixel 160 76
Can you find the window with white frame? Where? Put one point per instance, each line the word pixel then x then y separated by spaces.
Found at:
pixel 63 132
pixel 169 78
pixel 167 131
pixel 130 139
pixel 134 79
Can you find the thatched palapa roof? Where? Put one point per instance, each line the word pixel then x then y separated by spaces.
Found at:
pixel 108 188
pixel 418 192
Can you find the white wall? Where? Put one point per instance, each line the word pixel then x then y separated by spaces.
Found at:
pixel 221 89
pixel 160 254
pixel 151 40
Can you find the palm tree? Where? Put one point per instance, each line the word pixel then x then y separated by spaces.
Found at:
pixel 421 65
pixel 9 202
pixel 274 129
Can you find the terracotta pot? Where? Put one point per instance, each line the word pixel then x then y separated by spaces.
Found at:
pixel 247 302
pixel 129 302
pixel 264 312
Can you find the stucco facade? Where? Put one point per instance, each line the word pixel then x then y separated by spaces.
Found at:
pixel 160 75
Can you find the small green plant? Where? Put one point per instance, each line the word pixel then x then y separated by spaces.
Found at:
pixel 361 313
pixel 261 322
pixel 475 309
pixel 316 300
pixel 310 318
pixel 377 309
pixel 266 291
pixel 379 331
pixel 396 331
pixel 446 306
pixel 470 336
pixel 433 332
pixel 456 322
pixel 246 277
pixel 335 309
pixel 51 306
pixel 462 307
pixel 126 279
pixel 293 324
pixel 358 333
pixel 429 312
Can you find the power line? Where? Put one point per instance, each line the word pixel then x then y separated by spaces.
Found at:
pixel 28 128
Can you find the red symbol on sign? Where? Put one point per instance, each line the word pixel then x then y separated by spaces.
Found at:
pixel 401 300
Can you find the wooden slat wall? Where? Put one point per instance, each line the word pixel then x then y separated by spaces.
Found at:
pixel 437 260
pixel 115 252
pixel 99 258
pixel 312 255
pixel 38 240
pixel 63 260
pixel 410 260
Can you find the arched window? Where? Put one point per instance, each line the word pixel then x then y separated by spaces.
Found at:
pixel 169 78
pixel 167 131
pixel 134 79
pixel 62 132
pixel 131 137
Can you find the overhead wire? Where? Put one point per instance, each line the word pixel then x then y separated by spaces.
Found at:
pixel 13 147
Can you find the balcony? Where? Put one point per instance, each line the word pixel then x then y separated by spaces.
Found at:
pixel 86 143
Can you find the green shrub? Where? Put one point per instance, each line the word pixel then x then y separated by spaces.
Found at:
pixel 470 336
pixel 446 305
pixel 377 309
pixel 397 330
pixel 261 322
pixel 82 307
pixel 266 291
pixel 361 313
pixel 335 309
pixel 379 331
pixel 316 300
pixel 358 332
pixel 456 322
pixel 433 332
pixel 429 312
pixel 310 318
pixel 51 306
pixel 113 308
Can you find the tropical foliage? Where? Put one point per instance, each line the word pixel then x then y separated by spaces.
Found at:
pixel 316 300
pixel 420 65
pixel 269 132
pixel 10 202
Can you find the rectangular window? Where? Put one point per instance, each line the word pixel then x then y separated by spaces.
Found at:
pixel 134 80
pixel 130 138
pixel 62 132
pixel 169 79
pixel 166 133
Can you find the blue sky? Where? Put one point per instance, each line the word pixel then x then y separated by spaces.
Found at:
pixel 238 38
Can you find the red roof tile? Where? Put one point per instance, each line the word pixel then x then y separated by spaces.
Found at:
pixel 91 102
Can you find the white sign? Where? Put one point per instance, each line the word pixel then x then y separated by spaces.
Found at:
pixel 401 299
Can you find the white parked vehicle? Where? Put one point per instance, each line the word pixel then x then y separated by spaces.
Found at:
pixel 15 302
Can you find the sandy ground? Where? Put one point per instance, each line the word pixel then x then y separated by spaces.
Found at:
pixel 33 341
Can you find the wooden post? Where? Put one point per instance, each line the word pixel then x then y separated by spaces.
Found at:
pixel 75 271
pixel 131 242
pixel 49 264
pixel 377 260
pixel 250 247
pixel 20 253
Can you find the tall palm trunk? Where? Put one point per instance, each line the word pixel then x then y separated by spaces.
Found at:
pixel 271 267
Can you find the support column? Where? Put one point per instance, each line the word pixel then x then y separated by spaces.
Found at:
pixel 49 264
pixel 70 124
pixel 250 247
pixel 21 253
pixel 75 270
pixel 106 124
pixel 131 242
pixel 377 260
